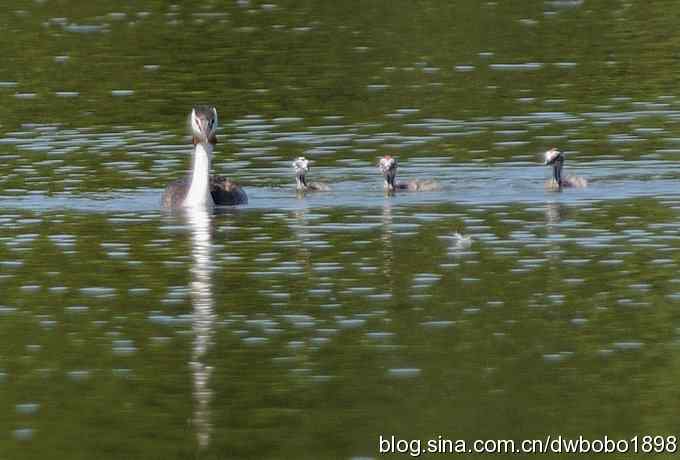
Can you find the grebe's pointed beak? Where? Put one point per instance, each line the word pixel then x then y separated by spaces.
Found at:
pixel 204 126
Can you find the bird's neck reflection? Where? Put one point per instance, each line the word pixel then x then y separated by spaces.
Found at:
pixel 387 237
pixel 554 213
pixel 199 222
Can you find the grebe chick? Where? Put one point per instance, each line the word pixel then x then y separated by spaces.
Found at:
pixel 388 167
pixel 556 158
pixel 200 188
pixel 301 166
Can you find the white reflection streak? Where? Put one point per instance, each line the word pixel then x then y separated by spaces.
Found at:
pixel 386 236
pixel 552 215
pixel 301 230
pixel 202 319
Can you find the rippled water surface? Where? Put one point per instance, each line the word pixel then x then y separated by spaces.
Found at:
pixel 308 326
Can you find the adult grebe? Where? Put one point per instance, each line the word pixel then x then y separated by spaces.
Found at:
pixel 301 166
pixel 200 188
pixel 388 166
pixel 556 158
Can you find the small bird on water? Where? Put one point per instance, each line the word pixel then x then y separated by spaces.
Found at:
pixel 301 167
pixel 200 188
pixel 388 167
pixel 555 158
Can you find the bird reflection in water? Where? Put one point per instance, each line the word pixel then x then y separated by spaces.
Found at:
pixel 300 225
pixel 387 237
pixel 203 319
pixel 554 213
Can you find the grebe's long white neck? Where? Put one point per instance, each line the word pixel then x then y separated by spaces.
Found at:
pixel 198 190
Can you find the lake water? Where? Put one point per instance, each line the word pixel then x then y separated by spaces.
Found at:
pixel 307 327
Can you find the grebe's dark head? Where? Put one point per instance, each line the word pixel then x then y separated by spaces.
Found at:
pixel 388 167
pixel 203 121
pixel 301 166
pixel 555 158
